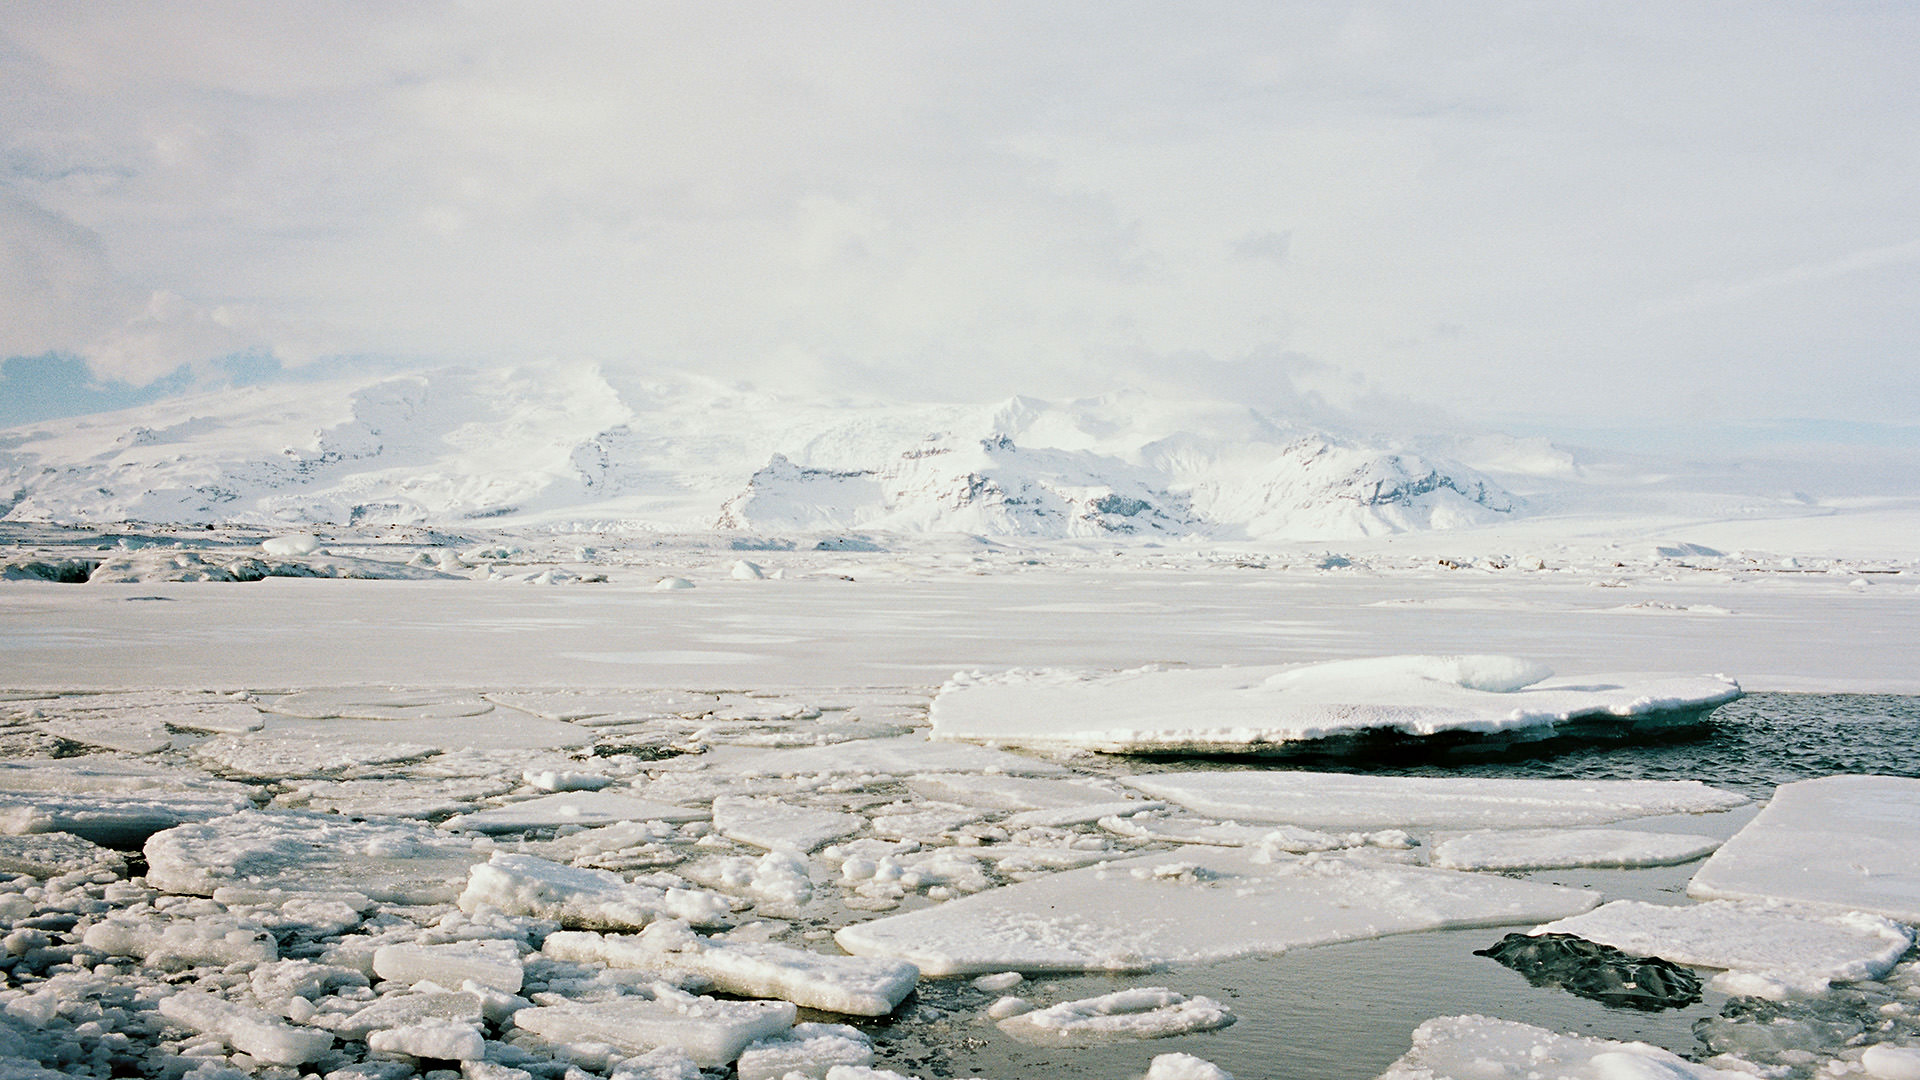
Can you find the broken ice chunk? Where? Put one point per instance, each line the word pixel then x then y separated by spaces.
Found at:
pixel 856 985
pixel 405 1009
pixel 443 1040
pixel 251 1031
pixel 772 824
pixel 711 1032
pixel 570 808
pixel 413 797
pixel 1185 1067
pixel 1197 904
pixel 1475 1047
pixel 1847 842
pixel 1344 801
pixel 583 898
pixel 1554 849
pixel 494 964
pixel 395 861
pixel 1143 1012
pixel 808 1051
pixel 1786 944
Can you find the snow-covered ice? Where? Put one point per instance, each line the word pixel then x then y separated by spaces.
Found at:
pixel 1141 1012
pixel 1195 904
pixel 710 1031
pixel 1250 710
pixel 856 985
pixel 1345 801
pixel 252 1031
pixel 1848 842
pixel 299 852
pixel 776 825
pixel 806 1051
pixel 494 964
pixel 1482 1048
pixel 1550 849
pixel 1792 946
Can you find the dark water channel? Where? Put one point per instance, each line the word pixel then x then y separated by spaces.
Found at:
pixel 1344 1012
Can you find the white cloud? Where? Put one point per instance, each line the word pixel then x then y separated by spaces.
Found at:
pixel 1484 206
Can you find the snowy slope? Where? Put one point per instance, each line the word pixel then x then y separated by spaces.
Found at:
pixel 559 444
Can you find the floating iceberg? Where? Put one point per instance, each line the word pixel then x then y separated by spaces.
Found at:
pixel 1848 842
pixel 1322 800
pixel 1195 904
pixel 1258 710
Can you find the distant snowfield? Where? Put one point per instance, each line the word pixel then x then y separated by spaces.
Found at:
pixel 914 619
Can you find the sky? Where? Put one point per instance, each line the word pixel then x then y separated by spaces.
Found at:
pixel 1551 216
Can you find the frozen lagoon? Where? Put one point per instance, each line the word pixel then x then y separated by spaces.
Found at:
pixel 741 671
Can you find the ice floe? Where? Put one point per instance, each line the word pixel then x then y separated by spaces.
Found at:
pixel 1793 947
pixel 261 1034
pixel 1482 1047
pixel 1848 842
pixel 711 1032
pixel 1142 1012
pixel 1184 1067
pixel 806 1051
pixel 298 852
pixel 1344 801
pixel 494 964
pixel 772 824
pixel 900 755
pixel 1255 709
pixel 1182 828
pixel 1193 905
pixel 1553 849
pixel 857 985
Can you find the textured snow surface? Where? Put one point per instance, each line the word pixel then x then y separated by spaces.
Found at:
pixel 1793 946
pixel 1192 905
pixel 1242 710
pixel 1551 849
pixel 1344 801
pixel 1850 842
pixel 1484 1048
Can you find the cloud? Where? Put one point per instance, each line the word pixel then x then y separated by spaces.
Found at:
pixel 1476 207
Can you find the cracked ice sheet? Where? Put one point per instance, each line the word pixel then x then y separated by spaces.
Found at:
pixel 900 755
pixel 1344 801
pixel 1557 849
pixel 1241 710
pixel 1790 946
pixel 109 801
pixel 1478 1047
pixel 294 746
pixel 1849 842
pixel 297 852
pixel 586 808
pixel 1195 905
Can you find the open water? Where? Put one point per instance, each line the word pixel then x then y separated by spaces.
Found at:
pixel 1345 1012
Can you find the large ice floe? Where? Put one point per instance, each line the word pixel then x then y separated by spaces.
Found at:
pixel 1196 904
pixel 1324 800
pixel 1845 842
pixel 296 853
pixel 1254 710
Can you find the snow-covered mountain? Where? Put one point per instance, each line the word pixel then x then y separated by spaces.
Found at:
pixel 564 444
